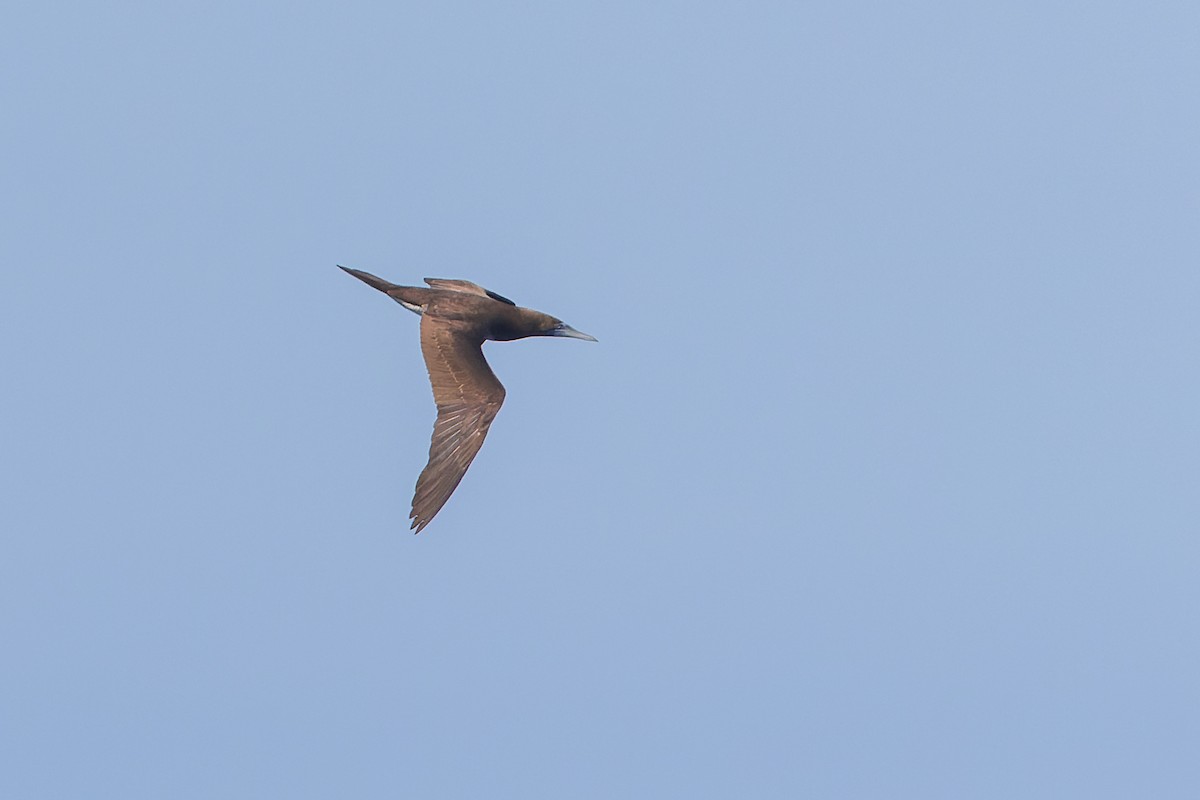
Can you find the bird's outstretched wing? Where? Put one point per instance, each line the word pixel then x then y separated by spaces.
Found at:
pixel 468 396
pixel 455 285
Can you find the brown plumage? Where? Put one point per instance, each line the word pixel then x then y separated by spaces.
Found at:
pixel 457 317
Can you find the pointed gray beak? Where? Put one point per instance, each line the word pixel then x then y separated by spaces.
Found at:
pixel 563 329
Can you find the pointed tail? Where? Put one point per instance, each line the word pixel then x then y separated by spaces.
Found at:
pixel 369 279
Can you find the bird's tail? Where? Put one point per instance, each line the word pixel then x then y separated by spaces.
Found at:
pixel 369 279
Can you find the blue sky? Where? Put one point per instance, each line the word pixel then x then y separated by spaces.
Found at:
pixel 880 482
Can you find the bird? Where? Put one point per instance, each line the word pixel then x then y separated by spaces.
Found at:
pixel 457 317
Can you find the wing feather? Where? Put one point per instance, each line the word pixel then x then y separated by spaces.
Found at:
pixel 468 396
pixel 455 285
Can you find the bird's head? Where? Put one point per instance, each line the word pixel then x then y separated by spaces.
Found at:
pixel 524 322
pixel 556 327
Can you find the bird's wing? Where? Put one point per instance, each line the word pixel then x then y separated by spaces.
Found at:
pixel 453 285
pixel 468 395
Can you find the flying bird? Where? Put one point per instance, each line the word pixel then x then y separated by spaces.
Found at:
pixel 457 317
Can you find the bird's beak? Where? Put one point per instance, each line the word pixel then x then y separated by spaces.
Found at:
pixel 563 329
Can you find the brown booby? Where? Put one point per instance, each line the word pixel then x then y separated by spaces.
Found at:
pixel 457 317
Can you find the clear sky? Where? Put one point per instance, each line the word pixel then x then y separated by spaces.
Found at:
pixel 881 481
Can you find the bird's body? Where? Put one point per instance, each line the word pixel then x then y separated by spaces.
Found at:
pixel 457 317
